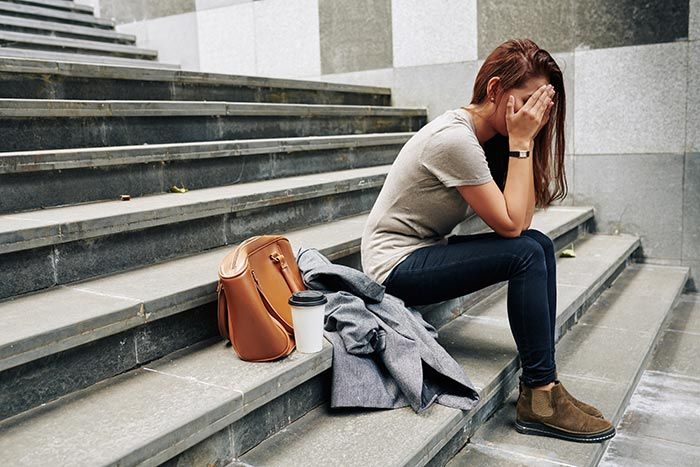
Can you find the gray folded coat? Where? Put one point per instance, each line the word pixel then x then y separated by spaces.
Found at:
pixel 384 354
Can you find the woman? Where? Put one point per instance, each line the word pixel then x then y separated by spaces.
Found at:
pixel 440 173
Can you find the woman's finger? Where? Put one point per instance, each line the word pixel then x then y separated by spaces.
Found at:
pixel 534 97
pixel 542 103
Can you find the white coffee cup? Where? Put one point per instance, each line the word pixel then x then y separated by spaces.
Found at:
pixel 308 309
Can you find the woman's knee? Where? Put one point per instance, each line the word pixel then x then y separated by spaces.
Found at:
pixel 530 251
pixel 543 239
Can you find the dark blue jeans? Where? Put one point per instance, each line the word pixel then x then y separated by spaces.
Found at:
pixel 471 262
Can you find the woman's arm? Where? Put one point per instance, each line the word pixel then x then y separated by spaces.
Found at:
pixel 531 193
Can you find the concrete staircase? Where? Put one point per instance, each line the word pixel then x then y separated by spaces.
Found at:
pixel 109 350
pixel 66 31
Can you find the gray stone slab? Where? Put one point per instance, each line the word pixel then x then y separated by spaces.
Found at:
pixel 63 29
pixel 34 161
pixel 95 47
pixel 33 229
pixel 74 108
pixel 9 52
pixel 678 353
pixel 32 321
pixel 614 119
pixel 72 124
pixel 54 14
pixel 27 79
pixel 693 120
pixel 217 364
pixel 686 315
pixel 352 40
pixel 691 206
pixel 349 438
pixel 190 77
pixel 626 451
pixel 549 23
pixel 601 23
pixel 694 20
pixel 145 410
pixel 657 217
pixel 664 407
pixel 60 5
pixel 413 86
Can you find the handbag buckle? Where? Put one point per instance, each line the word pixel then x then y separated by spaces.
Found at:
pixel 279 258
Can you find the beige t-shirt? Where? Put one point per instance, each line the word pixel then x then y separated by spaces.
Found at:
pixel 419 204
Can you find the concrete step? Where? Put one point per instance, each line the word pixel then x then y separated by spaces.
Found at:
pixel 46 13
pixel 481 341
pixel 59 245
pixel 40 179
pixel 64 44
pixel 12 53
pixel 242 403
pixel 34 124
pixel 51 28
pixel 55 246
pixel 36 79
pixel 600 362
pixel 58 5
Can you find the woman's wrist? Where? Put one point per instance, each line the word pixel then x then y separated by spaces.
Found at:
pixel 519 144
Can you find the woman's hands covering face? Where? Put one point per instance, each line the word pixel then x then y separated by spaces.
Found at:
pixel 531 117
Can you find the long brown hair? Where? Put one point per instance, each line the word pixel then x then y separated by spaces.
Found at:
pixel 515 62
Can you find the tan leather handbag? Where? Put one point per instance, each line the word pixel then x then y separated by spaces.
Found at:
pixel 255 281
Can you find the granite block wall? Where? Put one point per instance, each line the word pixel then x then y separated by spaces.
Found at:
pixel 631 74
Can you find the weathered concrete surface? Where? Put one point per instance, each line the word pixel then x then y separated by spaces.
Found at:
pixel 660 424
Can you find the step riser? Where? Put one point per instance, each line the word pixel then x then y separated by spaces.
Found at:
pixel 60 6
pixel 36 86
pixel 249 431
pixel 57 16
pixel 38 268
pixel 11 53
pixel 33 190
pixel 24 134
pixel 76 50
pixel 61 34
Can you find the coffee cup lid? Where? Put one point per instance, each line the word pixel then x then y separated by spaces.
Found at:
pixel 307 298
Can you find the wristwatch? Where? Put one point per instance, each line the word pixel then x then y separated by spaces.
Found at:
pixel 519 154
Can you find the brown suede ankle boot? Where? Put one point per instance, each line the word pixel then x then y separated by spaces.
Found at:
pixel 551 413
pixel 587 408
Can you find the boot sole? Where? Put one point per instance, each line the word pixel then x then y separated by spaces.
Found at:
pixel 534 428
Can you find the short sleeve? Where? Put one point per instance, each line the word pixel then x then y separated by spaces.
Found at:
pixel 456 158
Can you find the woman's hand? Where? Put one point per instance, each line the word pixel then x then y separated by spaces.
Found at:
pixel 545 118
pixel 527 122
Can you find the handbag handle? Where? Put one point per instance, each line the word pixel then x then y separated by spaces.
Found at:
pixel 291 280
pixel 269 306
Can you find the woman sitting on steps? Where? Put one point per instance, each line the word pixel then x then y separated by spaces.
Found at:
pixel 440 172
